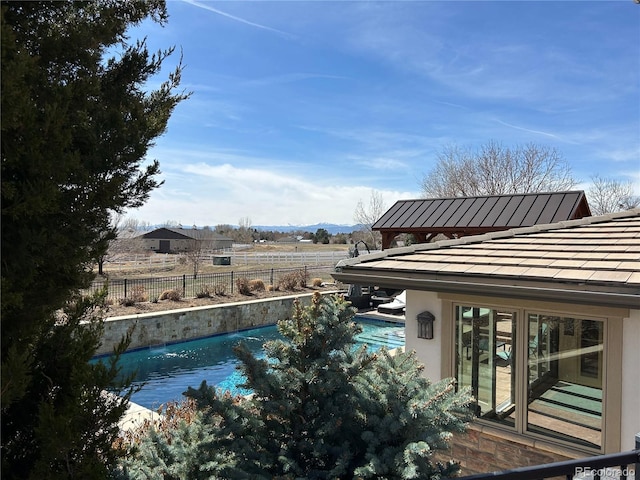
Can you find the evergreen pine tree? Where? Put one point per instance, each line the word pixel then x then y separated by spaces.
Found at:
pixel 322 409
pixel 77 122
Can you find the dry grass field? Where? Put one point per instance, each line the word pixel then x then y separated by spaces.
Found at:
pixel 260 257
pixel 256 257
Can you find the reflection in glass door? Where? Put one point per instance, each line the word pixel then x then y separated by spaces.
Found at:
pixel 485 353
pixel 542 343
pixel 565 378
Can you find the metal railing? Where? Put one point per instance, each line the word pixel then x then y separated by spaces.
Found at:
pixel 190 285
pixel 615 465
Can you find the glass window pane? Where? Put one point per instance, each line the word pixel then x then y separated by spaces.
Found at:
pixel 485 357
pixel 565 378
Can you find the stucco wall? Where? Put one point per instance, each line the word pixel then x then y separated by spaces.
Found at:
pixel 630 380
pixel 186 324
pixel 429 351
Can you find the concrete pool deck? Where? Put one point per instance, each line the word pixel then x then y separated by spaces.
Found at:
pixel 136 416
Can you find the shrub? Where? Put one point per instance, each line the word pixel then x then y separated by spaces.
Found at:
pixel 303 277
pixel 270 288
pixel 139 294
pixel 173 294
pixel 243 285
pixel 288 282
pixel 316 282
pixel 220 289
pixel 168 419
pixel 204 292
pixel 127 302
pixel 256 285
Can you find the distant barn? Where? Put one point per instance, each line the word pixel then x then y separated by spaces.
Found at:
pixel 461 216
pixel 172 240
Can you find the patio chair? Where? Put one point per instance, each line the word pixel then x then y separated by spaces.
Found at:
pixel 504 355
pixel 534 345
pixel 396 306
pixel 503 358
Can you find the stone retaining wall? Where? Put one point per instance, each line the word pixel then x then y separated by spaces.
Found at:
pixel 157 328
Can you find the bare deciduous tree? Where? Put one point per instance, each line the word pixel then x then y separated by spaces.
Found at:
pixel 224 229
pixel 202 242
pixel 127 241
pixel 195 248
pixel 245 222
pixel 497 170
pixel 367 216
pixel 607 195
pixel 245 230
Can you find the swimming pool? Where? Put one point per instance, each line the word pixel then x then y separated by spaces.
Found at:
pixel 166 371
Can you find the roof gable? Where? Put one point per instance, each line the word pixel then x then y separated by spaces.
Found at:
pixel 592 256
pixel 165 233
pixel 460 216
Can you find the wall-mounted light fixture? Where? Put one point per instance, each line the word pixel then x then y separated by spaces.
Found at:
pixel 425 325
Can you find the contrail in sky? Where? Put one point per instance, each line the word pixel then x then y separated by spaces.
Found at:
pixel 238 19
pixel 539 132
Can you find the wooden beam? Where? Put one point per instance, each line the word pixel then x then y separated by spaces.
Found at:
pixel 387 239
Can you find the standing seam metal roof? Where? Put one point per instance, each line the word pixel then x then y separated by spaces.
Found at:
pixel 485 212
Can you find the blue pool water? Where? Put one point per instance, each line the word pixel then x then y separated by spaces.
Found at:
pixel 166 371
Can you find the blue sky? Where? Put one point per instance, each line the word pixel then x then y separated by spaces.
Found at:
pixel 302 108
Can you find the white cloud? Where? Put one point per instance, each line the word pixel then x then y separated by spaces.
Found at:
pixel 290 78
pixel 383 163
pixel 224 193
pixel 501 62
pixel 630 154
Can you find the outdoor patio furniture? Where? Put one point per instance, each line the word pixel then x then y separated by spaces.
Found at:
pixel 395 307
pixel 377 300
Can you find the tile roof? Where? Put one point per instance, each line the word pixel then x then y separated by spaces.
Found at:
pixel 600 255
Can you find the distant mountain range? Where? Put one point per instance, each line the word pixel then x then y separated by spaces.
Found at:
pixel 332 228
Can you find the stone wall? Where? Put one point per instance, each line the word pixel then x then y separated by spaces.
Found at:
pixel 157 328
pixel 483 450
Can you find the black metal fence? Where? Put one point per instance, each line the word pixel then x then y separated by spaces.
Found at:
pixel 190 286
